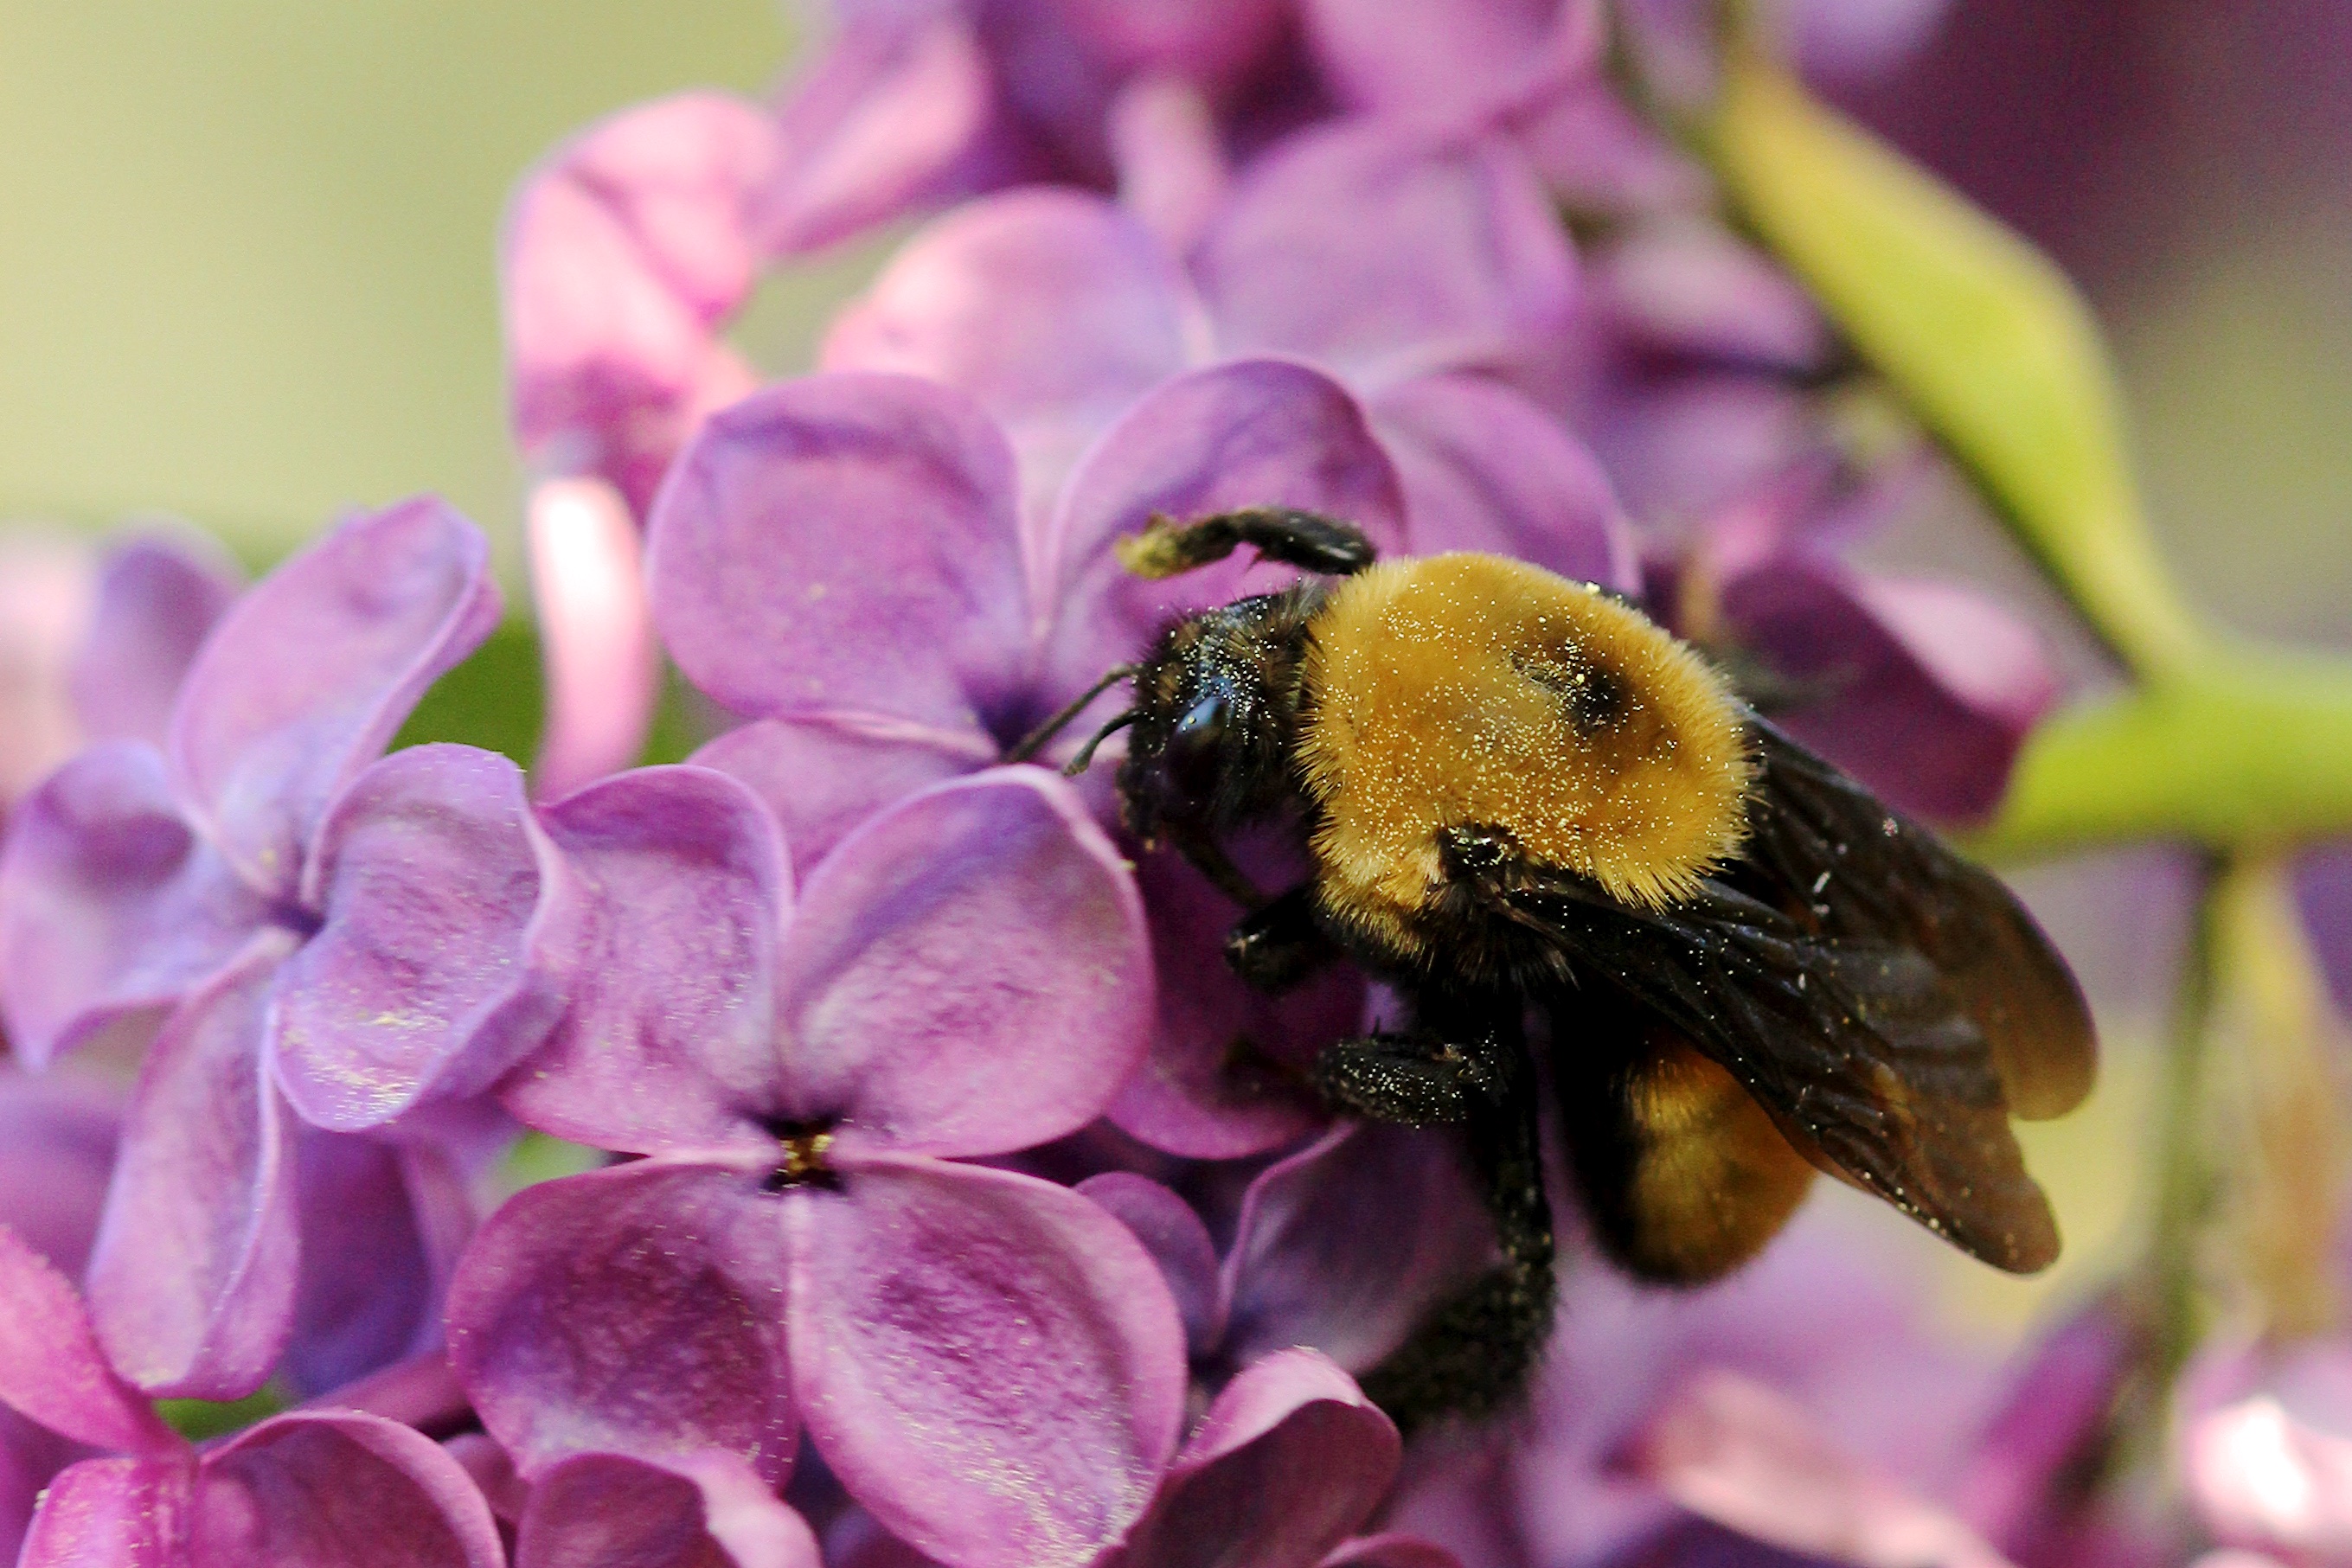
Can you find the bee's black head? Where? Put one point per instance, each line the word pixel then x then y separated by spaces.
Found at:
pixel 1216 715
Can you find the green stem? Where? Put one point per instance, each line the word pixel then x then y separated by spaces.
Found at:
pixel 2184 1173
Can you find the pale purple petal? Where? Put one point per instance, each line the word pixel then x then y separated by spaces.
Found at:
pixel 1688 287
pixel 1289 1461
pixel 1928 689
pixel 1486 469
pixel 1386 254
pixel 1226 1075
pixel 338 1489
pixel 51 1369
pixel 110 1511
pixel 637 1309
pixel 306 679
pixel 606 1510
pixel 595 632
pixel 1853 40
pixel 57 1135
pixel 1052 308
pixel 1253 433
pixel 990 1363
pixel 1172 172
pixel 158 598
pixel 1391 1550
pixel 381 1228
pixel 968 974
pixel 421 984
pixel 1451 63
pixel 1596 154
pixel 1178 1241
pixel 675 885
pixel 2324 894
pixel 109 903
pixel 2264 1446
pixel 822 777
pixel 883 123
pixel 191 1279
pixel 1733 1451
pixel 47 591
pixel 621 257
pixel 803 518
pixel 1345 1244
pixel 1684 445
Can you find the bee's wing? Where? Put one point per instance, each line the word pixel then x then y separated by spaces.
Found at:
pixel 1854 1048
pixel 1839 862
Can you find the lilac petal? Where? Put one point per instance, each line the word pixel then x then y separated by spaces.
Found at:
pixel 1289 1461
pixel 192 1279
pixel 1252 433
pixel 606 1510
pixel 1683 446
pixel 822 777
pixel 1930 687
pixel 338 1489
pixel 1053 309
pixel 636 1310
pixel 1225 1078
pixel 47 586
pixel 1733 1451
pixel 806 517
pixel 990 1363
pixel 676 883
pixel 880 124
pixel 1689 287
pixel 1216 43
pixel 31 1456
pixel 307 678
pixel 1172 173
pixel 51 1369
pixel 158 599
pixel 1470 267
pixel 108 904
pixel 2264 1445
pixel 967 974
pixel 2324 894
pixel 1486 469
pixel 1178 1241
pixel 133 1511
pixel 1447 64
pixel 595 632
pixel 620 257
pixel 1345 1244
pixel 1390 1550
pixel 421 984
pixel 1596 154
pixel 381 1228
pixel 2057 1410
pixel 57 1136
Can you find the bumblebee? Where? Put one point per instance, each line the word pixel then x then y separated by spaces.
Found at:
pixel 1522 800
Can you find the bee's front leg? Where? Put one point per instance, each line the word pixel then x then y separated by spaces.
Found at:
pixel 1280 943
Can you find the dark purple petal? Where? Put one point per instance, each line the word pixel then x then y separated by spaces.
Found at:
pixel 990 1363
pixel 338 1489
pixel 51 1369
pixel 606 1510
pixel 1053 309
pixel 1345 1245
pixel 306 679
pixel 638 1310
pixel 1683 446
pixel 1253 433
pixel 110 1511
pixel 2057 1412
pixel 622 255
pixel 1289 1461
pixel 881 123
pixel 380 1226
pixel 1390 1550
pixel 421 985
pixel 1384 254
pixel 1447 64
pixel 31 1456
pixel 1215 42
pixel 806 516
pixel 2323 893
pixel 109 903
pixel 1225 1078
pixel 158 598
pixel 677 884
pixel 823 776
pixel 1928 689
pixel 192 1276
pixel 967 974
pixel 57 1135
pixel 1486 469
pixel 595 632
pixel 1178 1241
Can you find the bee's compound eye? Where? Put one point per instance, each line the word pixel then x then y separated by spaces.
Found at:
pixel 1196 747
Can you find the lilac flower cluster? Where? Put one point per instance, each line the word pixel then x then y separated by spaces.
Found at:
pixel 950 1200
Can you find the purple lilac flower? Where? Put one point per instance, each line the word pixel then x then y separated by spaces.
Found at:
pixel 989 1363
pixel 318 934
pixel 2264 1446
pixel 599 1511
pixel 317 1489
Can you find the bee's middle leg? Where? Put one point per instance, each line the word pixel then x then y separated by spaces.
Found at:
pixel 1426 1076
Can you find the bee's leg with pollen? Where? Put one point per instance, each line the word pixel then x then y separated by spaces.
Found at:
pixel 1280 943
pixel 1418 1077
pixel 1308 540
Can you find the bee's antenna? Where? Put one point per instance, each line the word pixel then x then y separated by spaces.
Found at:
pixel 1078 764
pixel 1034 742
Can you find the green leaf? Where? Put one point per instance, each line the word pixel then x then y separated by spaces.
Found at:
pixel 494 700
pixel 1989 343
pixel 197 1419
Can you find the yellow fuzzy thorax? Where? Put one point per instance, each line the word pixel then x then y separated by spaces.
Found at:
pixel 1474 689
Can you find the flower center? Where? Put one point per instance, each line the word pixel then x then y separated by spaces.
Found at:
pixel 801 1147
